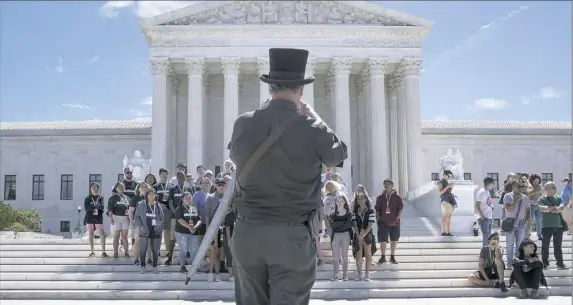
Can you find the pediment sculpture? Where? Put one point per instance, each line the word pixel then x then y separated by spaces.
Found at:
pixel 141 167
pixel 285 12
pixel 452 161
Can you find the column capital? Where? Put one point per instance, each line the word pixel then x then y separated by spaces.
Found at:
pixel 206 82
pixel 378 65
pixel 393 82
pixel 230 65
pixel 173 81
pixel 310 66
pixel 410 66
pixel 160 66
pixel 195 65
pixel 263 65
pixel 341 65
pixel 365 74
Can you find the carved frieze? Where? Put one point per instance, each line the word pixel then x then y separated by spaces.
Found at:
pixel 195 65
pixel 160 66
pixel 286 12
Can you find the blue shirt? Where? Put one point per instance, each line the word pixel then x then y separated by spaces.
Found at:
pixel 199 199
pixel 566 194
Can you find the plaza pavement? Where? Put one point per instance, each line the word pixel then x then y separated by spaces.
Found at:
pixel 450 301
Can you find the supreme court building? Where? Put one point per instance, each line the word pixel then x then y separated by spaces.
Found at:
pixel 206 60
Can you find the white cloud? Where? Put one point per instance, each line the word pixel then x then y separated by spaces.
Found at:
pixel 143 9
pixel 94 59
pixel 489 103
pixel 143 113
pixel 548 93
pixel 147 101
pixel 76 106
pixel 475 39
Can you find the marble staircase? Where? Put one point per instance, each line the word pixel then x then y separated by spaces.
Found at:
pixel 429 267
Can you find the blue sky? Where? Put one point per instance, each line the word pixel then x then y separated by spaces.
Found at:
pixel 485 60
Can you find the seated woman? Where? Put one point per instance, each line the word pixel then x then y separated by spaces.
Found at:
pixel 490 266
pixel 528 270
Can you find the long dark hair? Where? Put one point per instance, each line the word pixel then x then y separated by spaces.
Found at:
pixel 525 242
pixel 346 203
pixel 137 192
pixel 355 203
pixel 154 180
pixel 116 185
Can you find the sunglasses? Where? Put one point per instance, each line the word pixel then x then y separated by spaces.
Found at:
pixel 128 173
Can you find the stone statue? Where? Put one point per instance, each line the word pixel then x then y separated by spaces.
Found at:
pixel 141 167
pixel 452 161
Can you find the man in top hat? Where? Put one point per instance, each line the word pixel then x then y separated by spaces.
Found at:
pixel 273 241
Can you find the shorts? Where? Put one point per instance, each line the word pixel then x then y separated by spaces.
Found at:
pixel 120 223
pixel 217 240
pixel 93 227
pixel 491 274
pixel 447 208
pixel 385 231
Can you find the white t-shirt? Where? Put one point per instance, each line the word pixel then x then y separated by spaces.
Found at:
pixel 485 203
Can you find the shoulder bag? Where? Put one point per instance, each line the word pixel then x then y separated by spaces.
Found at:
pixel 508 224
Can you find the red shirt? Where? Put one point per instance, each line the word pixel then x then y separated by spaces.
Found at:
pixel 388 206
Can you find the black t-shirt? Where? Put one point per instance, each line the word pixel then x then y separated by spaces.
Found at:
pixel 162 191
pixel 176 195
pixel 229 221
pixel 130 187
pixel 364 219
pixel 136 200
pixel 94 206
pixel 118 205
pixel 191 216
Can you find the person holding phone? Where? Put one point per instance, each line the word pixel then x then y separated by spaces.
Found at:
pixel 448 202
pixel 490 266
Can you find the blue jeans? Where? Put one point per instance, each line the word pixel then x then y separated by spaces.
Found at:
pixel 536 214
pixel 187 243
pixel 485 228
pixel 513 239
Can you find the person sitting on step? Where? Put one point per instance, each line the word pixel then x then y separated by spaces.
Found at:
pixel 528 270
pixel 490 266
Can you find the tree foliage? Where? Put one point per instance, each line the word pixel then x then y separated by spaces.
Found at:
pixel 20 220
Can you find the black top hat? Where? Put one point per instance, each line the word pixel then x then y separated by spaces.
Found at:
pixel 287 67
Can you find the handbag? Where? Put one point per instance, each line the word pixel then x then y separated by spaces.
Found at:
pixel 508 224
pixel 564 223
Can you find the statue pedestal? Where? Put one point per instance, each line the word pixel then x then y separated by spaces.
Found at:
pixel 464 216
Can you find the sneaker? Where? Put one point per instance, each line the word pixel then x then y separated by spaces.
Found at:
pixel 231 278
pixel 382 260
pixel 523 294
pixel 168 262
pixel 539 238
pixel 104 255
pixel 149 261
pixel 183 269
pixel 136 262
pixel 562 267
pixel 393 260
pixel 210 277
pixel 115 255
pixel 217 278
pixel 142 270
pixel 358 277
pixel 444 234
pixel 126 254
pixel 344 277
pixel 534 294
pixel 319 262
pixel 366 277
pixel 334 278
pixel 502 287
pixel 91 255
pixel 155 270
pixel 450 235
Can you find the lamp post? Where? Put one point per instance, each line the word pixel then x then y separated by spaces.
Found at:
pixel 79 228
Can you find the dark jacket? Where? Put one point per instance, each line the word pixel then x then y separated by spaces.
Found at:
pixel 285 183
pixel 140 220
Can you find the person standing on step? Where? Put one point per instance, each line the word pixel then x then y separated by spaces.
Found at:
pixel 363 217
pixel 551 207
pixel 130 187
pixel 162 196
pixel 484 210
pixel 211 204
pixel 566 199
pixel 229 169
pixel 149 221
pixel 516 205
pixel 341 223
pixel 139 198
pixel 490 266
pixel 118 211
pixel 278 193
pixel 389 207
pixel 448 202
pixel 175 200
pixel 199 199
pixel 181 168
pixel 188 221
pixel 94 206
pixel 228 227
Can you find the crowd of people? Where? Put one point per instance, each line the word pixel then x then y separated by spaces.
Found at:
pixel 525 202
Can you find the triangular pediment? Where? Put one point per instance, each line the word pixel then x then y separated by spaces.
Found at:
pixel 285 12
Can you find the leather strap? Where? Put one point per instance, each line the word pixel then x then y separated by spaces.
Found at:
pixel 273 137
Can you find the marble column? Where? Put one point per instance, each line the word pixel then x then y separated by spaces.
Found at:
pixel 173 91
pixel 341 73
pixel 402 125
pixel 365 147
pixel 230 68
pixel 359 140
pixel 160 69
pixel 308 95
pixel 394 149
pixel 195 71
pixel 377 113
pixel 263 67
pixel 411 68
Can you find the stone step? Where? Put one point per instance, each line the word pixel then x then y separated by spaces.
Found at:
pixel 429 267
pixel 225 285
pixel 403 240
pixel 399 252
pixel 165 275
pixel 73 258
pixel 228 295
